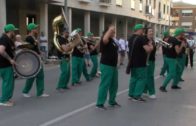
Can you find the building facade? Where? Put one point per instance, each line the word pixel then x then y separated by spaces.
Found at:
pixel 183 15
pixel 90 15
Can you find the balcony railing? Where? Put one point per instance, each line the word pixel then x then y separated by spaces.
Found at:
pixel 105 3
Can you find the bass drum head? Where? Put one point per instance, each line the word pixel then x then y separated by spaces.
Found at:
pixel 28 63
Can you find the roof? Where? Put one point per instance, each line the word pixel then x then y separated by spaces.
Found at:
pixel 183 5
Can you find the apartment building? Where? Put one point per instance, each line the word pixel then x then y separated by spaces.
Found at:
pixel 90 15
pixel 184 15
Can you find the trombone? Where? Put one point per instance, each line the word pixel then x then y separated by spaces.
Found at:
pixel 163 43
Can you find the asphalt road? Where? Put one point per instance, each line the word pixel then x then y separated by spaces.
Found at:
pixel 76 107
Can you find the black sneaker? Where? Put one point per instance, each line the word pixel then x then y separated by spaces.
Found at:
pixel 162 89
pixel 138 99
pixel 162 75
pixel 175 87
pixel 101 107
pixel 130 97
pixel 115 105
pixel 181 80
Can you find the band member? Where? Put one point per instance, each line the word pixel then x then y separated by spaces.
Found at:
pixel 171 59
pixel 7 48
pixel 78 64
pixel 164 68
pixel 139 47
pixel 31 39
pixel 65 62
pixel 108 67
pixel 181 59
pixel 150 86
pixel 94 54
pixel 190 51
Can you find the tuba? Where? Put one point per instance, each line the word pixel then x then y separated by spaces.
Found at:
pixel 74 39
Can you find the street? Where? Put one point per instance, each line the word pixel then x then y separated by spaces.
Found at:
pixel 76 107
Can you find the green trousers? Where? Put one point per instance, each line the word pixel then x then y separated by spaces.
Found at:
pixel 137 82
pixel 165 66
pixel 150 87
pixel 94 59
pixel 39 83
pixel 7 76
pixel 78 67
pixel 65 74
pixel 181 65
pixel 109 83
pixel 172 73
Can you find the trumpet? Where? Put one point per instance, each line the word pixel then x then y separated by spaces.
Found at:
pixel 163 43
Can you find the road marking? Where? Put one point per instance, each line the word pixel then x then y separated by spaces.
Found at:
pixel 69 114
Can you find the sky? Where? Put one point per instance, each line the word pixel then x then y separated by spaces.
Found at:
pixel 187 1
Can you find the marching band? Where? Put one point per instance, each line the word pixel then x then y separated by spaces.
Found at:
pixel 77 53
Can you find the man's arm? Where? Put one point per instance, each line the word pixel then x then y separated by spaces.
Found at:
pixel 5 55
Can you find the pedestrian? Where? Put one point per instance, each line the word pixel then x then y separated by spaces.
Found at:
pixel 150 86
pixel 32 39
pixel 190 50
pixel 122 50
pixel 171 60
pixel 164 69
pixel 108 67
pixel 139 47
pixel 7 49
pixel 64 61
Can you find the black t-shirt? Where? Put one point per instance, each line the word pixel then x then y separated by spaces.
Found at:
pixel 139 55
pixel 153 53
pixel 9 48
pixel 109 53
pixel 92 52
pixel 77 52
pixel 33 43
pixel 171 52
pixel 62 41
pixel 164 49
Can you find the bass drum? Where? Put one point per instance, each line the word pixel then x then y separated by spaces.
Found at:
pixel 28 63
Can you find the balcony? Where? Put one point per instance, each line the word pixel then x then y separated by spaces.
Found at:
pixel 175 18
pixel 105 3
pixel 84 1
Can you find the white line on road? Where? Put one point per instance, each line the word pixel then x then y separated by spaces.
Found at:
pixel 67 115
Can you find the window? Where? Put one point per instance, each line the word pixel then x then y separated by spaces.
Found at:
pixel 119 2
pixel 167 9
pixel 141 6
pixel 187 12
pixel 154 5
pixel 132 4
pixel 164 8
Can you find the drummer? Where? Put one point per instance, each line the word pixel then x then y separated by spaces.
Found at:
pixel 6 72
pixel 31 39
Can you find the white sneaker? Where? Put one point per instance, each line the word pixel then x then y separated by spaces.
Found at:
pixel 26 95
pixel 44 95
pixel 7 104
pixel 152 97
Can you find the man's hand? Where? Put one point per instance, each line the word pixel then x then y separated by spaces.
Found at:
pixel 12 62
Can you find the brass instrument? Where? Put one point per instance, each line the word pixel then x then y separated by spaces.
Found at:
pixel 163 43
pixel 74 38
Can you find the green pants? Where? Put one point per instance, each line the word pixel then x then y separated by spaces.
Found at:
pixel 77 68
pixel 109 83
pixel 95 65
pixel 137 82
pixel 181 65
pixel 65 74
pixel 172 73
pixel 150 87
pixel 39 83
pixel 7 76
pixel 165 66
